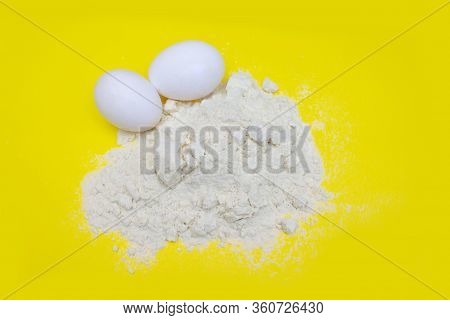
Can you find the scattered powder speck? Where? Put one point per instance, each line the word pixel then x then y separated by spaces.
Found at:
pixel 269 86
pixel 184 203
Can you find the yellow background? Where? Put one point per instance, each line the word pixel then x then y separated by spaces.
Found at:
pixel 384 139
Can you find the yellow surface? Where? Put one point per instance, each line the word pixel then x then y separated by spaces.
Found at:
pixel 384 141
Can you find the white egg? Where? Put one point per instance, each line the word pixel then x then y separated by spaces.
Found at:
pixel 187 70
pixel 128 100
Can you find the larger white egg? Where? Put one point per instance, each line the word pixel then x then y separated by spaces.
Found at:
pixel 128 100
pixel 187 70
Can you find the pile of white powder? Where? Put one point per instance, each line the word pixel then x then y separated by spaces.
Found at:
pixel 168 203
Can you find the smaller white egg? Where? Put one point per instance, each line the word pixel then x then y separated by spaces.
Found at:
pixel 128 100
pixel 187 70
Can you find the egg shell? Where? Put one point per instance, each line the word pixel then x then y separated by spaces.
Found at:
pixel 128 100
pixel 187 70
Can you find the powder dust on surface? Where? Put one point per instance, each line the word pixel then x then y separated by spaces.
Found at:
pixel 180 201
